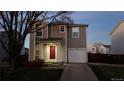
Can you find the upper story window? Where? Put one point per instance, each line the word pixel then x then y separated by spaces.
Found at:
pixel 75 32
pixel 39 33
pixel 61 28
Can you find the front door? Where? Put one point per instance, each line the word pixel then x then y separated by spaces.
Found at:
pixel 52 52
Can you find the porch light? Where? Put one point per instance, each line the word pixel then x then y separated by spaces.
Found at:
pixel 51 43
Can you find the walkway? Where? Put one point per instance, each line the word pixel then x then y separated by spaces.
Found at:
pixel 77 72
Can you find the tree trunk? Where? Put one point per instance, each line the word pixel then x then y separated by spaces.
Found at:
pixel 13 64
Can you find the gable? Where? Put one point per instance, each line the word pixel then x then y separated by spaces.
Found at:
pixel 119 28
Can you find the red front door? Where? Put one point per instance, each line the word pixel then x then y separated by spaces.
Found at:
pixel 52 52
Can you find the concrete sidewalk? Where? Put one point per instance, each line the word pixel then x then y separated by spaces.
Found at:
pixel 77 72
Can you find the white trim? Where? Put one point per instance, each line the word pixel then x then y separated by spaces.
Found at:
pixel 75 29
pixel 65 46
pixel 79 57
pixel 52 60
pixel 34 46
pixel 47 31
pixel 59 53
pixel 45 52
pixel 57 50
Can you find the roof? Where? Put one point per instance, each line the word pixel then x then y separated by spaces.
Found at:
pixel 107 46
pixel 86 25
pixel 51 39
pixel 60 23
pixel 76 25
pixel 116 27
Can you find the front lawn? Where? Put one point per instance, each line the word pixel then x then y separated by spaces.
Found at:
pixel 107 72
pixel 35 74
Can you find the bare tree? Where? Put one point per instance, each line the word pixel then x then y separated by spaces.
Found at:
pixel 16 25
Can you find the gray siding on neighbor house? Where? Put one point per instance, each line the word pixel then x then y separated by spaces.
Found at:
pixel 117 43
pixel 117 40
pixel 3 54
pixel 77 42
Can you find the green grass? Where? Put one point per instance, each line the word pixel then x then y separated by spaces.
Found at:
pixel 35 74
pixel 107 73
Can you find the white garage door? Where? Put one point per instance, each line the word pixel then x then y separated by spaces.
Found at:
pixel 77 55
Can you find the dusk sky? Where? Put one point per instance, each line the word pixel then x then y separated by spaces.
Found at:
pixel 100 24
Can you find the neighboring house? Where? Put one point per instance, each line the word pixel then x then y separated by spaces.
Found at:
pixel 108 49
pixel 3 54
pixel 24 51
pixel 59 42
pixel 99 48
pixel 117 39
pixel 92 49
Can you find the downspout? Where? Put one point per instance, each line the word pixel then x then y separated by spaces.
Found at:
pixel 67 42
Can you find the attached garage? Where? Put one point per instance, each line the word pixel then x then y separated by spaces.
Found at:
pixel 77 55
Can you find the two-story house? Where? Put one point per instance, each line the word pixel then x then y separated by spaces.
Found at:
pixel 59 42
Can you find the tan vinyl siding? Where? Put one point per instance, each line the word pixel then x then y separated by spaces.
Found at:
pixel 56 33
pixel 33 42
pixel 77 42
pixel 45 32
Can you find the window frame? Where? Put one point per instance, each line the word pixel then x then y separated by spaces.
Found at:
pixel 75 31
pixel 60 30
pixel 41 31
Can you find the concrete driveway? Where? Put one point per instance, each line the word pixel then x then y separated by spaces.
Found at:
pixel 77 72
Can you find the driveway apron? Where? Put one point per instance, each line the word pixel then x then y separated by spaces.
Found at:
pixel 77 72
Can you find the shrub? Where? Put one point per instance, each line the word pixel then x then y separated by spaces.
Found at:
pixel 35 64
pixel 21 60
